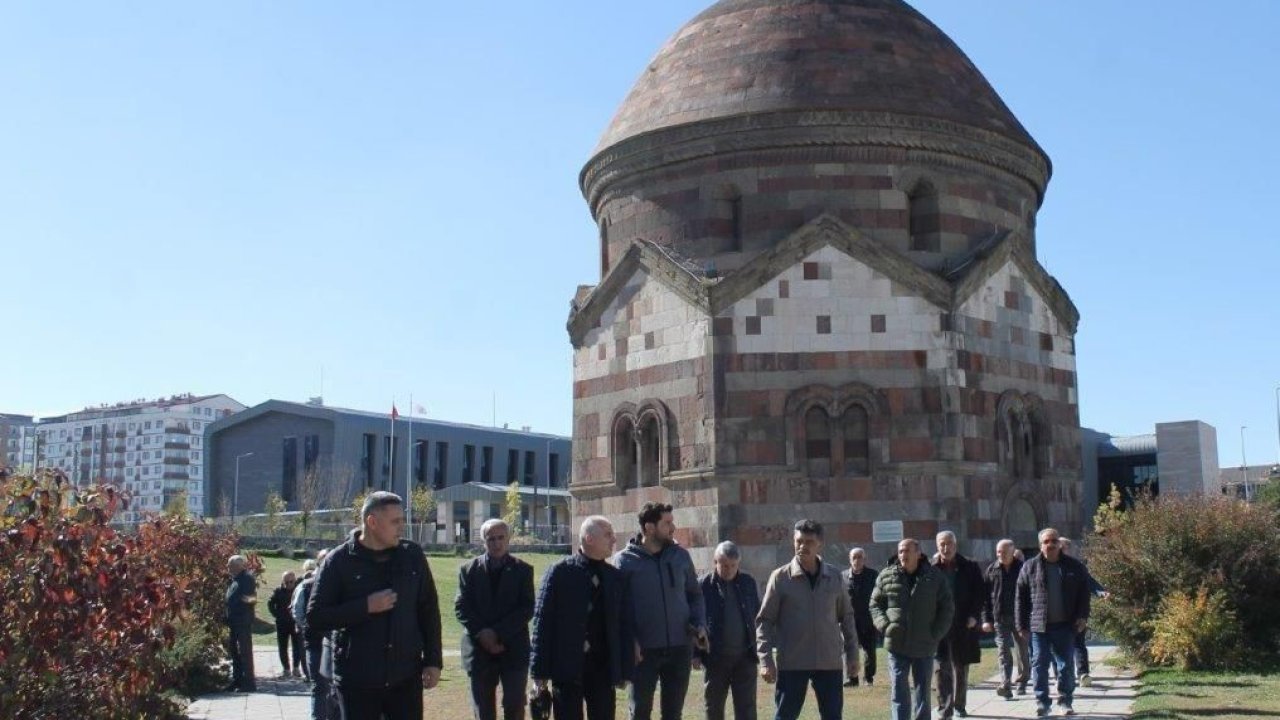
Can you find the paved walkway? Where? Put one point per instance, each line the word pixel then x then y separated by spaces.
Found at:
pixel 1110 697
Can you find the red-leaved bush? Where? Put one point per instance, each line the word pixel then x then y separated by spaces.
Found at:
pixel 89 616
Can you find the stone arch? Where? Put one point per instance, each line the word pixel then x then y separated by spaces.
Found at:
pixel 924 216
pixel 655 442
pixel 1022 435
pixel 861 416
pixel 799 402
pixel 1024 514
pixel 623 451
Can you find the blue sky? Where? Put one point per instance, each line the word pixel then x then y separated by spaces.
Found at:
pixel 228 197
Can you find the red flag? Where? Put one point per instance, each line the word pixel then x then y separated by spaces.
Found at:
pixel 395 414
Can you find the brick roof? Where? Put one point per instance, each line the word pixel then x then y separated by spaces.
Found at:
pixel 758 56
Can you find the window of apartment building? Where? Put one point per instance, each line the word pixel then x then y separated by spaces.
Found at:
pixel 441 476
pixel 310 454
pixel 366 457
pixel 195 441
pixel 148 425
pixel 195 424
pixel 530 466
pixel 195 454
pixel 486 464
pixel 468 462
pixel 553 470
pixel 195 471
pixel 513 466
pixel 129 457
pixel 495 510
pixel 289 469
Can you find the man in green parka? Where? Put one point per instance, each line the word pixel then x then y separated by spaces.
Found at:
pixel 912 608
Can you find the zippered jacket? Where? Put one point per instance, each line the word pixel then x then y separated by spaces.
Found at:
pixel 666 598
pixel 913 618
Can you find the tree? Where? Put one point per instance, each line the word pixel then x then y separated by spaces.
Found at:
pixel 1269 492
pixel 308 500
pixel 273 507
pixel 423 502
pixel 511 509
pixel 177 505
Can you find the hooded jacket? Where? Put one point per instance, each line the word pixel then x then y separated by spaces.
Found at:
pixel 666 598
pixel 384 649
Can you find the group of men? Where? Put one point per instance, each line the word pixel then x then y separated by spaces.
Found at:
pixel 643 619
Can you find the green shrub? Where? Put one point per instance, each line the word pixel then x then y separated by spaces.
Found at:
pixel 1173 549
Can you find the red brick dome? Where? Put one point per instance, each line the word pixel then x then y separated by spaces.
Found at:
pixel 746 57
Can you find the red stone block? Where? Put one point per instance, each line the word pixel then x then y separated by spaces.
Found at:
pixel 911 449
pixel 922 530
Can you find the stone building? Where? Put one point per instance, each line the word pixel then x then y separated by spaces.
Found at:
pixel 819 293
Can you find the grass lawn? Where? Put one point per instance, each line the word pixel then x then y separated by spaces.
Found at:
pixel 1167 693
pixel 452 698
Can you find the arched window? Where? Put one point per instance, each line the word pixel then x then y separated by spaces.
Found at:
pixel 650 443
pixel 604 245
pixel 624 453
pixel 728 218
pixel 857 450
pixel 817 442
pixel 923 223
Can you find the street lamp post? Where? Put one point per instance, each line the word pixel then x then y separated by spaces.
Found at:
pixel 1244 463
pixel 235 490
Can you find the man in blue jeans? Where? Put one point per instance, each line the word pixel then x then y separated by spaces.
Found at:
pixel 912 607
pixel 1051 608
pixel 807 620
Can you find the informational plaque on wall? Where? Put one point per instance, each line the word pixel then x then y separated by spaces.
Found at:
pixel 886 531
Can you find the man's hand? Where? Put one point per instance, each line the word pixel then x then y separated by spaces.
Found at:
pixel 540 684
pixel 768 673
pixel 852 669
pixel 1081 624
pixel 1024 634
pixel 488 639
pixel 430 677
pixel 987 627
pixel 639 654
pixel 971 623
pixel 696 663
pixel 382 601
pixel 251 599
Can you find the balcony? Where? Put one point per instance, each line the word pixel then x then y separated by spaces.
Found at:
pixel 177 446
pixel 178 430
pixel 176 476
pixel 177 461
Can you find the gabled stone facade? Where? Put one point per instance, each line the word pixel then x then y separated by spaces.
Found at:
pixel 824 312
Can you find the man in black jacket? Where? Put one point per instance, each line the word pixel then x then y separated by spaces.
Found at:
pixel 242 593
pixel 859 581
pixel 959 649
pixel 287 635
pixel 732 601
pixel 1051 606
pixel 494 605
pixel 997 616
pixel 376 595
pixel 581 645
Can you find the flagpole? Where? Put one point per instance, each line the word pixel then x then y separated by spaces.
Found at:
pixel 408 473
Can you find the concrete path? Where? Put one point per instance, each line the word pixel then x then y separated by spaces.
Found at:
pixel 1109 698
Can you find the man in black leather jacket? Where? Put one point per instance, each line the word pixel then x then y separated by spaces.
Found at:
pixel 376 595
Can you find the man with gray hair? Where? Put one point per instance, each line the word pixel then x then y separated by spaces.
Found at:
pixel 997 616
pixel 859 581
pixel 241 595
pixel 582 644
pixel 732 602
pixel 960 648
pixel 494 605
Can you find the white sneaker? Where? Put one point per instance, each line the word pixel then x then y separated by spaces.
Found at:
pixel 1085 680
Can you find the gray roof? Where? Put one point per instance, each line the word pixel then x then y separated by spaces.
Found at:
pixel 492 491
pixel 1132 445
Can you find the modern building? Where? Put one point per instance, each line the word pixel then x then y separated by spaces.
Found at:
pixel 1179 458
pixel 151 449
pixel 15 449
pixel 317 457
pixel 819 293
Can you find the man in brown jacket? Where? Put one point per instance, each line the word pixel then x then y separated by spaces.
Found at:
pixel 807 619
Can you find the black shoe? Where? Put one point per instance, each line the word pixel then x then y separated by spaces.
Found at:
pixel 962 712
pixel 230 687
pixel 870 681
pixel 851 682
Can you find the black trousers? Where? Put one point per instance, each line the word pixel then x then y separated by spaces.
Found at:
pixel 736 674
pixel 867 638
pixel 486 676
pixel 287 635
pixel 595 691
pixel 402 702
pixel 240 647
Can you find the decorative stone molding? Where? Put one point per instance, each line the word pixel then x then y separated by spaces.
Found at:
pixel 771 130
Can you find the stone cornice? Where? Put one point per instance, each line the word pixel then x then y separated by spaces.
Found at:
pixel 764 131
pixel 1016 248
pixel 822 231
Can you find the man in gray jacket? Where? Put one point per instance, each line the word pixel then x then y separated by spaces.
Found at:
pixel 669 615
pixel 807 620
pixel 911 606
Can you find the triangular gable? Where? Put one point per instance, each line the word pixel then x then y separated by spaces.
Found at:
pixel 1015 248
pixel 658 264
pixel 828 230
